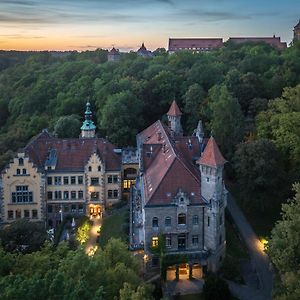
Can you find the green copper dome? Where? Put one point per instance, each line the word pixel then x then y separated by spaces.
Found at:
pixel 88 124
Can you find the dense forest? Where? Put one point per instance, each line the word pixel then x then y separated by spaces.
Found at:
pixel 247 95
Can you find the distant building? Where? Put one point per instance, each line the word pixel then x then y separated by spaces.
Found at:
pixel 113 55
pixel 195 45
pixel 179 198
pixel 272 41
pixel 53 177
pixel 297 32
pixel 144 52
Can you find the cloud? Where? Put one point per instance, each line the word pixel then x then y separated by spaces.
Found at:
pixel 20 36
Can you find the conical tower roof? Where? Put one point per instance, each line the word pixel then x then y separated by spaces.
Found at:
pixel 174 110
pixel 212 155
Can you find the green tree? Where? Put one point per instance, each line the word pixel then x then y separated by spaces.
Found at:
pixel 215 288
pixel 284 248
pixel 227 121
pixel 67 127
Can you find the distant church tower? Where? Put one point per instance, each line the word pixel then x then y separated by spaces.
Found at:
pixel 297 32
pixel 88 127
pixel 174 115
pixel 213 192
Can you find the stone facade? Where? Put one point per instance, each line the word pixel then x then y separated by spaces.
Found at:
pixel 179 196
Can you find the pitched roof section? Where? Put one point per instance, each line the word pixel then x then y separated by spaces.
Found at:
pixel 272 41
pixel 168 165
pixel 195 44
pixel 212 155
pixel 71 154
pixel 174 110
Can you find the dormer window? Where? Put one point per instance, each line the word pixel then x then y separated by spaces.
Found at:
pixel 21 161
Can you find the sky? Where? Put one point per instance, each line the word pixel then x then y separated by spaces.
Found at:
pixel 125 24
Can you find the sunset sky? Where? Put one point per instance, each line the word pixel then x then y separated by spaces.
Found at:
pixel 91 24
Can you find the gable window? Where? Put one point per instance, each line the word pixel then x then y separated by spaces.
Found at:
pixel 90 169
pixel 99 168
pixel 18 171
pixel 26 213
pixel 155 222
pixel 181 219
pixel 21 161
pixel 195 220
pixel 168 222
pixel 22 194
pixel 24 171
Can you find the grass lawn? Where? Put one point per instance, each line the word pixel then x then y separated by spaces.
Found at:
pixel 115 226
pixel 261 221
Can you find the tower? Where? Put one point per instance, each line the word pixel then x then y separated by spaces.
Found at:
pixel 88 127
pixel 174 115
pixel 199 132
pixel 297 32
pixel 213 192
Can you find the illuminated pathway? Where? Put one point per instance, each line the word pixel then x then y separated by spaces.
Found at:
pixel 92 244
pixel 259 259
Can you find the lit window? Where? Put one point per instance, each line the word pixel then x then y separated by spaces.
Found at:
pixel 155 222
pixel 155 241
pixel 22 194
pixel 181 219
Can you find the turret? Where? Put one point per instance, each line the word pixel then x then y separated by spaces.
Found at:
pixel 174 115
pixel 88 127
pixel 211 165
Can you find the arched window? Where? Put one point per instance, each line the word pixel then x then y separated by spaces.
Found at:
pixel 21 161
pixel 18 171
pixel 181 219
pixel 195 220
pixel 90 169
pixel 155 222
pixel 168 221
pixel 99 168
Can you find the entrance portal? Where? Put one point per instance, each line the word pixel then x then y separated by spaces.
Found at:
pixel 95 210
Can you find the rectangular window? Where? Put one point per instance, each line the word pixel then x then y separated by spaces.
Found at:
pixel 109 179
pixel 73 195
pixel 34 214
pixel 57 180
pixel 208 221
pixel 66 180
pixel 50 195
pixel 66 208
pixel 168 241
pixel 154 241
pixel 22 195
pixel 195 240
pixel 116 194
pixel 73 208
pixel 49 180
pixel 10 214
pixel 80 179
pixel 73 179
pixel 95 181
pixel 57 195
pixel 80 208
pixel 66 195
pixel 115 178
pixel 109 193
pixel 195 220
pixel 50 209
pixel 80 194
pixel 26 213
pixel 18 214
pixel 94 196
pixel 24 171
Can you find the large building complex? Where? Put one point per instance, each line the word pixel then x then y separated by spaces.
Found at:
pixel 53 177
pixel 297 32
pixel 179 196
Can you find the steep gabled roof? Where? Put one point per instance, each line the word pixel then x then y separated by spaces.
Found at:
pixel 212 155
pixel 174 110
pixel 168 165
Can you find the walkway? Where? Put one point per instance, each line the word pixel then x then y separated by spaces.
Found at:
pixel 92 243
pixel 259 258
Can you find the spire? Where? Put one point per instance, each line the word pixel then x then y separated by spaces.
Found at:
pixel 212 155
pixel 174 110
pixel 88 127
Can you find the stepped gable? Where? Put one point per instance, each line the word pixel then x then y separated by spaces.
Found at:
pixel 167 165
pixel 72 154
pixel 211 155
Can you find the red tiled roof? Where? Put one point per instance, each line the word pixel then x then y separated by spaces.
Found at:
pixel 72 154
pixel 174 110
pixel 195 43
pixel 168 165
pixel 211 155
pixel 272 41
